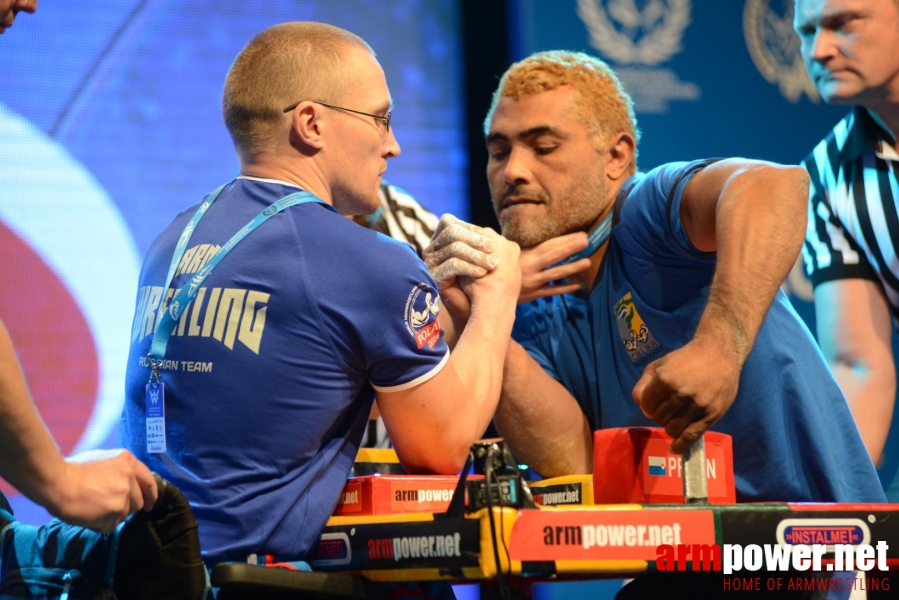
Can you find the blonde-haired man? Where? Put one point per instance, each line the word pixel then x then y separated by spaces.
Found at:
pixel 270 370
pixel 602 103
pixel 676 319
pixel 673 315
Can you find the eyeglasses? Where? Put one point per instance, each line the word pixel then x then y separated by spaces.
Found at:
pixel 384 120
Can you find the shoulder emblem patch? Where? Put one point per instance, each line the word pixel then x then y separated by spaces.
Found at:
pixel 422 308
pixel 639 342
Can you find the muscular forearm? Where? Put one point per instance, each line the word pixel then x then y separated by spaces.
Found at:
pixel 759 228
pixel 753 216
pixel 96 489
pixel 29 458
pixel 855 334
pixel 542 423
pixel 451 328
pixel 870 390
pixel 479 355
pixel 433 424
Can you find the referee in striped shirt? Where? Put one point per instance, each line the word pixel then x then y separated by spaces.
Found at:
pixel 851 53
pixel 401 217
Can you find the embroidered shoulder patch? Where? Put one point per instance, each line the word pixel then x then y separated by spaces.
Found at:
pixel 639 342
pixel 422 307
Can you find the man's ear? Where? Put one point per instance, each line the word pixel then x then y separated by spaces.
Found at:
pixel 621 151
pixel 306 127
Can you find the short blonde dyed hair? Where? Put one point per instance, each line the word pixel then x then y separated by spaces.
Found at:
pixel 283 64
pixel 601 103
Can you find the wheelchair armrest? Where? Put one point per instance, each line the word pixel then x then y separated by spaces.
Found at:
pixel 240 580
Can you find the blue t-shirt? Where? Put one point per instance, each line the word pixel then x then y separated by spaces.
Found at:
pixel 794 438
pixel 269 374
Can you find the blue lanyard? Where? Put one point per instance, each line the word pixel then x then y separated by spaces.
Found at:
pixel 178 307
pixel 595 239
pixel 601 232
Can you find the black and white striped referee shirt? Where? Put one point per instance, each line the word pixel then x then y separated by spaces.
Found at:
pixel 853 225
pixel 403 218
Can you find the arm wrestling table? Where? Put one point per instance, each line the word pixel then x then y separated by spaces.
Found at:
pixel 575 539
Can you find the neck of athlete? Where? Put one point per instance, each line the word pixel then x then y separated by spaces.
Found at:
pixel 588 277
pixel 306 173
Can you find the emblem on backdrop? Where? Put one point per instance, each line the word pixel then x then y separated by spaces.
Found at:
pixel 774 47
pixel 638 36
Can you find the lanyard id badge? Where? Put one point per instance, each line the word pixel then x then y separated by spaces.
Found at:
pixel 165 325
pixel 155 400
